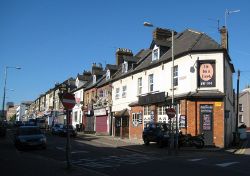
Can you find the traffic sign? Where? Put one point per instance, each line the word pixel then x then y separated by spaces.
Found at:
pixel 68 100
pixel 171 112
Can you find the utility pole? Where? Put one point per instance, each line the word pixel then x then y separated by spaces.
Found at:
pixel 237 106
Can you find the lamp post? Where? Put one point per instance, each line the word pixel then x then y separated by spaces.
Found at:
pixel 4 89
pixel 148 24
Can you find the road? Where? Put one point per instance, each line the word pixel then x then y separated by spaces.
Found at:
pixel 97 158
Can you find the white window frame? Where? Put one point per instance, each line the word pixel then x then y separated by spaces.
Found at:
pixel 117 93
pixel 94 79
pixel 151 82
pixel 241 118
pixel 139 84
pixel 156 53
pixel 162 116
pixel 241 107
pixel 124 67
pixel 175 76
pixel 108 75
pixel 124 91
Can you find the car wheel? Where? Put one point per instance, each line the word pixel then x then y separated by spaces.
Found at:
pixel 146 141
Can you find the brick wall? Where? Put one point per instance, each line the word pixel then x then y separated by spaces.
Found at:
pixel 193 117
pixel 135 131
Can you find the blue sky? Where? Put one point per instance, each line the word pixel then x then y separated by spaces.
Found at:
pixel 53 40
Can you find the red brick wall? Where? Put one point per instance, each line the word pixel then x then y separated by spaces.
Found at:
pixel 135 131
pixel 193 111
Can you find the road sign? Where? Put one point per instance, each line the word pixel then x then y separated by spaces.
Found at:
pixel 68 100
pixel 170 112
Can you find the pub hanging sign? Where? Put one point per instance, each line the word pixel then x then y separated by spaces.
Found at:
pixel 206 73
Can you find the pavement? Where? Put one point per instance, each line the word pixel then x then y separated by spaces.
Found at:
pixel 138 146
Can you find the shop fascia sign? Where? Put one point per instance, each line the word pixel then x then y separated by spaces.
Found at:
pixel 99 112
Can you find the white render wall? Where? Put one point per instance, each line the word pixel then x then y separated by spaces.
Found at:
pixel 77 108
pixel 187 81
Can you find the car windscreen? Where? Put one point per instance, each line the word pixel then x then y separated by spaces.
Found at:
pixel 29 131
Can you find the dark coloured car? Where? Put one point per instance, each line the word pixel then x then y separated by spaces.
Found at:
pixel 56 128
pixel 29 137
pixel 2 128
pixel 62 130
pixel 156 132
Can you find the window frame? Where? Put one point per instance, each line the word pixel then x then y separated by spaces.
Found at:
pixel 175 75
pixel 124 91
pixel 139 86
pixel 117 93
pixel 151 82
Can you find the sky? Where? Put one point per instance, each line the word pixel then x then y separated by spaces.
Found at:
pixel 52 40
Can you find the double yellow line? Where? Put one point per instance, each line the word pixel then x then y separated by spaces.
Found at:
pixel 242 150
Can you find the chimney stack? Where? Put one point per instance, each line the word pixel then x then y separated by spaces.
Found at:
pixel 122 53
pixel 224 37
pixel 162 34
pixel 96 69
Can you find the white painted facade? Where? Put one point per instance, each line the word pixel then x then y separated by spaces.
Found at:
pixel 187 80
pixel 77 110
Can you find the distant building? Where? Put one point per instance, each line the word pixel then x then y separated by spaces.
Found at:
pixel 22 110
pixel 244 110
pixel 11 111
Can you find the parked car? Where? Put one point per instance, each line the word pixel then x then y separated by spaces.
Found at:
pixel 29 136
pixel 56 128
pixel 61 130
pixel 2 128
pixel 156 132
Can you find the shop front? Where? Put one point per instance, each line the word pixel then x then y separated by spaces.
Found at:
pixel 102 122
pixel 121 123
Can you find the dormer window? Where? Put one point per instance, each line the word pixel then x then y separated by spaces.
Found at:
pixel 108 75
pixel 155 53
pixel 125 67
pixel 94 79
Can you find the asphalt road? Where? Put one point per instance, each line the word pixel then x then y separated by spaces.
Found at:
pixel 95 158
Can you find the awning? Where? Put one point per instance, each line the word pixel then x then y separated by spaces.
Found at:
pixel 122 113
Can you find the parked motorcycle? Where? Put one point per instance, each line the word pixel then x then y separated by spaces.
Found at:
pixel 189 141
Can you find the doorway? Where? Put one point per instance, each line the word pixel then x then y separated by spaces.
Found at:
pixel 206 123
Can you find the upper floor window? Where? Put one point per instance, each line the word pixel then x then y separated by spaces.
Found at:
pixel 108 75
pixel 240 108
pixel 125 67
pixel 124 91
pixel 117 93
pixel 151 83
pixel 155 53
pixel 175 75
pixel 241 120
pixel 139 86
pixel 94 79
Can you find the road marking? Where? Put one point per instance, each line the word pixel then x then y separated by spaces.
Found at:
pixel 196 159
pixel 242 150
pixel 226 164
pixel 73 152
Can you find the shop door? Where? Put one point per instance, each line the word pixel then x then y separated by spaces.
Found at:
pixel 117 126
pixel 101 124
pixel 206 123
pixel 89 123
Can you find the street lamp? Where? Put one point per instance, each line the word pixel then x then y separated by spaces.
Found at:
pixel 148 24
pixel 4 89
pixel 227 13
